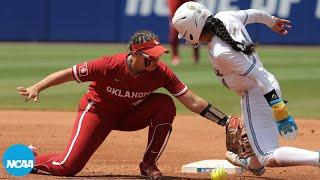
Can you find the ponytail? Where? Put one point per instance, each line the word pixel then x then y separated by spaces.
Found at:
pixel 216 26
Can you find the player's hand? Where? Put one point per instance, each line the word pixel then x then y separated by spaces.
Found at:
pixel 29 93
pixel 288 128
pixel 281 26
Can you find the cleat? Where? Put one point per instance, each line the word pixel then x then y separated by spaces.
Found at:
pixel 234 159
pixel 35 153
pixel 150 170
pixel 33 149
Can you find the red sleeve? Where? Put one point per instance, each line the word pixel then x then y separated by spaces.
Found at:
pixel 90 71
pixel 173 83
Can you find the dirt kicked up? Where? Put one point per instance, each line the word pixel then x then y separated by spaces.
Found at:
pixel 193 139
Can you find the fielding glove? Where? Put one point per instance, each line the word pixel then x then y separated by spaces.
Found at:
pixel 285 122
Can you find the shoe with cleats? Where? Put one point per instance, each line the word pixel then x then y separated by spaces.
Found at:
pixel 234 159
pixel 35 153
pixel 150 170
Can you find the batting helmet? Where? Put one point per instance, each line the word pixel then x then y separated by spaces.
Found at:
pixel 189 20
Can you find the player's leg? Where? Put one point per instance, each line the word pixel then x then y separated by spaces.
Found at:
pixel 263 134
pixel 291 156
pixel 88 133
pixel 196 55
pixel 259 123
pixel 260 128
pixel 157 112
pixel 173 34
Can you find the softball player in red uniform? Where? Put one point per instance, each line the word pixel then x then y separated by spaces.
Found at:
pixel 173 5
pixel 121 97
pixel 239 68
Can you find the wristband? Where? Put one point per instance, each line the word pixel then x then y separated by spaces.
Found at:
pixel 271 96
pixel 214 115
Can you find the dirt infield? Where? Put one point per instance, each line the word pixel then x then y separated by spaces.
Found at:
pixel 193 139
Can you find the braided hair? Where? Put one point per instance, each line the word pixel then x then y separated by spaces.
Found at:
pixel 216 26
pixel 142 36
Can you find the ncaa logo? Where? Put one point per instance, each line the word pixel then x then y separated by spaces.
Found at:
pixel 18 160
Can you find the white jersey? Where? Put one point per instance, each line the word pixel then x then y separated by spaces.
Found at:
pixel 246 75
pixel 236 70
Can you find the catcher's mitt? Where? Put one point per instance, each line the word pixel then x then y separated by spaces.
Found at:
pixel 236 138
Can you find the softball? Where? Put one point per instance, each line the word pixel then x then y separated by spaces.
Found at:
pixel 218 174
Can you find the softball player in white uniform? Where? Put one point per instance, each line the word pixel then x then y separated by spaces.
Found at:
pixel 239 68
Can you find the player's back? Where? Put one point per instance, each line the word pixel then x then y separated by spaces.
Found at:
pixel 229 69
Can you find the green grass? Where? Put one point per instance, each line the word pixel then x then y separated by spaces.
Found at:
pixel 22 64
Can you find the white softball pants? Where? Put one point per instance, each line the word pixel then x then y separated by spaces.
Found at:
pixel 263 133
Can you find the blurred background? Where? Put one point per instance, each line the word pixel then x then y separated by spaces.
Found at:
pixel 117 20
pixel 38 37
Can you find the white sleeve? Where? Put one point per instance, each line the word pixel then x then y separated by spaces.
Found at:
pixel 255 16
pixel 244 65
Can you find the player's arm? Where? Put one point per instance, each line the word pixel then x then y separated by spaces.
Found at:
pixel 249 16
pixel 53 79
pixel 191 100
pixel 202 107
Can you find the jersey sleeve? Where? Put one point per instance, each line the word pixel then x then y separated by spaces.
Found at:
pixel 250 16
pixel 173 84
pixel 89 71
pixel 244 65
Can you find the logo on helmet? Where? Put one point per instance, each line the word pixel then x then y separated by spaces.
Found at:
pixel 191 7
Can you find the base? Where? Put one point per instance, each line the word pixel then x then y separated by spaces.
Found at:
pixel 206 166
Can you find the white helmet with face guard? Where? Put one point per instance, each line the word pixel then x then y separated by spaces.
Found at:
pixel 189 20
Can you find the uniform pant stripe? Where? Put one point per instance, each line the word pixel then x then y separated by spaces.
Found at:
pixel 75 137
pixel 164 144
pixel 251 126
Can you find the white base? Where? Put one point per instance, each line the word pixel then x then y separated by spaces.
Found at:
pixel 206 166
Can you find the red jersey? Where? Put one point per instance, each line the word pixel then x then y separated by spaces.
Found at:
pixel 113 83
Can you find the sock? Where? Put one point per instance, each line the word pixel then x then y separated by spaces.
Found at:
pixel 291 156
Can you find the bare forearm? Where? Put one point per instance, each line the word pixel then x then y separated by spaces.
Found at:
pixel 202 107
pixel 193 103
pixel 198 105
pixel 55 79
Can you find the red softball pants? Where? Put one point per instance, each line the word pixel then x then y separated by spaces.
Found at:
pixel 94 123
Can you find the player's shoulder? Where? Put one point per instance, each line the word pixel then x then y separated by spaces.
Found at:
pixel 224 14
pixel 229 17
pixel 115 60
pixel 163 70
